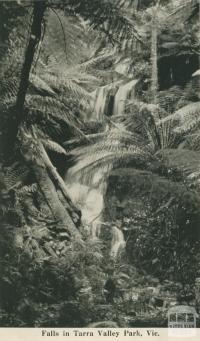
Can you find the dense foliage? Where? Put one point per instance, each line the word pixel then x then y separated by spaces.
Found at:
pixel 62 65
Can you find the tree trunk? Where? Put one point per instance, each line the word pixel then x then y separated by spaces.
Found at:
pixel 199 31
pixel 154 53
pixel 38 165
pixel 59 184
pixel 154 70
pixel 46 185
pixel 154 58
pixel 60 214
pixel 35 36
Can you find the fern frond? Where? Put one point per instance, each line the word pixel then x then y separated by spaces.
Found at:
pixel 63 84
pixel 41 85
pixel 27 189
pixel 77 74
pixel 107 140
pixel 192 141
pixel 53 146
pixel 186 10
pixel 65 35
pixel 144 118
pixel 107 160
pixel 186 117
pixel 106 16
pixel 14 174
pixel 104 153
pixel 8 90
pixel 52 107
pixel 95 61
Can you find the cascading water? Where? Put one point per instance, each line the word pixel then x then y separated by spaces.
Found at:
pixel 117 242
pixel 122 95
pixel 101 97
pixel 88 193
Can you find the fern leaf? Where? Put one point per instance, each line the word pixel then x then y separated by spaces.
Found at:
pixel 8 91
pixel 14 174
pixel 40 84
pixel 64 84
pixel 106 161
pixel 52 145
pixel 91 63
pixel 186 117
pixel 107 153
pixel 28 189
pixel 51 107
pixel 192 141
pixel 106 16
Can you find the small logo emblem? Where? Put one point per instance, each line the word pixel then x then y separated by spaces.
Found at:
pixel 182 321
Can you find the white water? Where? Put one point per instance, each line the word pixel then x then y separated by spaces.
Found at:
pixel 117 242
pixel 100 102
pixel 88 195
pixel 124 92
pixel 101 96
pixel 91 203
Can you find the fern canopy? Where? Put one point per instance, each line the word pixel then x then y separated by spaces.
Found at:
pixel 108 16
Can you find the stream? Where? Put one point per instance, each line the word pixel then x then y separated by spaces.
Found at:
pixel 88 196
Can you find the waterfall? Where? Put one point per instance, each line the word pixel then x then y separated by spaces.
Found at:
pixel 101 99
pixel 87 195
pixel 124 92
pixel 117 242
pixel 87 192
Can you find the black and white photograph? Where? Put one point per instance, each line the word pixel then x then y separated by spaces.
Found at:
pixel 100 165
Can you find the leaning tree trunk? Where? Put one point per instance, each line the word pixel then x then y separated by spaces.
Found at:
pixel 60 214
pixel 60 185
pixel 154 72
pixel 46 185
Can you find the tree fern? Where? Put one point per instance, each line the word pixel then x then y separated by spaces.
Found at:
pixel 144 118
pixel 51 107
pixel 66 84
pixel 186 118
pixel 116 147
pixel 107 16
pixel 107 160
pixel 64 33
